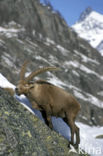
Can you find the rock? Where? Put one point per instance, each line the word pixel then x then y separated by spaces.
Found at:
pixel 34 16
pixel 99 136
pixel 22 133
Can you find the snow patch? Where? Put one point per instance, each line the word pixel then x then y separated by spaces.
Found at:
pixel 55 80
pixel 50 41
pixel 7 61
pixel 5 83
pixel 62 50
pixel 85 58
pixel 42 59
pixel 89 143
pixel 53 59
pixel 86 96
pixel 82 67
pixel 100 93
pixel 75 73
pixel 10 32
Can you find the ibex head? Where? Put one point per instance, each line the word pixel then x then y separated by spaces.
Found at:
pixel 24 83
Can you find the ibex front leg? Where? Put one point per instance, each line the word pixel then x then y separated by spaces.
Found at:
pixel 47 119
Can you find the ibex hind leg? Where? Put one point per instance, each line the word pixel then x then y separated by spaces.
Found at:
pixel 70 122
pixel 77 137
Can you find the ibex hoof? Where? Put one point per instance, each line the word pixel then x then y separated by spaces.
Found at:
pixel 76 146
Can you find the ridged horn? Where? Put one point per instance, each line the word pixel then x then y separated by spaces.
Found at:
pixel 23 70
pixel 39 71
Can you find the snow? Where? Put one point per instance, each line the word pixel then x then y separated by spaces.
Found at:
pixel 97 16
pixel 86 96
pixel 80 95
pixel 47 43
pixel 89 143
pixel 91 29
pixel 55 80
pixel 42 59
pixel 53 59
pixel 50 41
pixel 62 50
pixel 100 93
pixel 25 102
pixel 5 83
pixel 75 73
pixel 86 59
pixel 10 32
pixel 2 42
pixel 94 100
pixel 33 45
pixel 7 61
pixel 82 67
pixel 88 134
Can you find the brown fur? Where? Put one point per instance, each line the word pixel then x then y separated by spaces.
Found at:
pixel 51 101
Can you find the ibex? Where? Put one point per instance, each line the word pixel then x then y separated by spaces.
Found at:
pixel 50 100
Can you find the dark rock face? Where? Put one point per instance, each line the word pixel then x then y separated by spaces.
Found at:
pixel 31 31
pixel 33 16
pixel 84 14
pixel 22 133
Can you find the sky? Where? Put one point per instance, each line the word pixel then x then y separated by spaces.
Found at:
pixel 71 9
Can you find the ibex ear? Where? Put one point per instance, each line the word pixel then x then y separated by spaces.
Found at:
pixel 23 70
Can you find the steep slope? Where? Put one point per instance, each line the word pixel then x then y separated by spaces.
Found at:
pixel 92 145
pixel 90 27
pixel 22 133
pixel 82 66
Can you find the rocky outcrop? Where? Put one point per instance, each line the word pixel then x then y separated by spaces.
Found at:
pixel 22 133
pixel 34 16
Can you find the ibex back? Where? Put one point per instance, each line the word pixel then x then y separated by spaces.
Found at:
pixel 50 100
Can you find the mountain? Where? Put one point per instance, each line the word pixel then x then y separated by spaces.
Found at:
pixel 90 27
pixel 32 31
pixel 26 32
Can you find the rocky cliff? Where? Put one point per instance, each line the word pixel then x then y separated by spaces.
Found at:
pixel 35 17
pixel 29 30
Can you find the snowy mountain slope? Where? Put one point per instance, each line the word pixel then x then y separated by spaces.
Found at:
pixel 88 134
pixel 91 28
pixel 44 38
pixel 54 79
